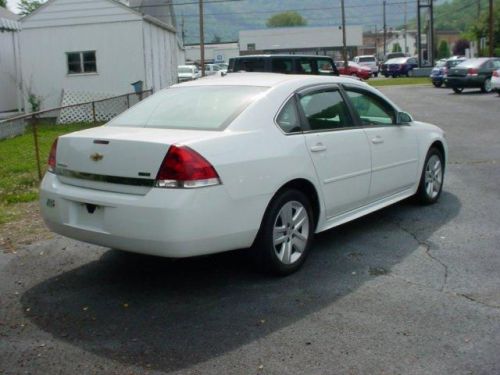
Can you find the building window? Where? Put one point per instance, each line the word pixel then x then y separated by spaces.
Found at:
pixel 251 47
pixel 81 62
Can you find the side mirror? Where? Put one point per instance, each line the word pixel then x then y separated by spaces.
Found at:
pixel 403 118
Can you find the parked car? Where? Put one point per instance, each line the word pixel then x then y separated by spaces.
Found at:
pixel 211 69
pixel 223 67
pixel 394 55
pixel 263 161
pixel 495 81
pixel 473 73
pixel 397 67
pixel 287 64
pixel 354 69
pixel 440 71
pixel 369 61
pixel 187 73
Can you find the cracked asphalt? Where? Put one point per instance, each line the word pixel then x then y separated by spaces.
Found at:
pixel 406 290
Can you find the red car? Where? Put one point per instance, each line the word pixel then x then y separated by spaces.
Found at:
pixel 354 69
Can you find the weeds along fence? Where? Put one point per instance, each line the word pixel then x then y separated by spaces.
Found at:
pixel 48 124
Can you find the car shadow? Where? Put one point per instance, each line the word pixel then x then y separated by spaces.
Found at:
pixel 170 314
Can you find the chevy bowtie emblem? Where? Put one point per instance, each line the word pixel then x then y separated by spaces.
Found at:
pixel 96 157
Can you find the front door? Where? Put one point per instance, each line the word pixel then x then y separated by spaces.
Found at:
pixel 340 151
pixel 394 148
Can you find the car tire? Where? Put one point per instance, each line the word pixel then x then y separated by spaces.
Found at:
pixel 432 178
pixel 486 87
pixel 285 235
pixel 458 90
pixel 375 75
pixel 437 84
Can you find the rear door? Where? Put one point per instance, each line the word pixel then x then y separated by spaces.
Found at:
pixel 394 148
pixel 339 150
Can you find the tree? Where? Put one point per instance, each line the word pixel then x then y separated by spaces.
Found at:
pixel 286 19
pixel 443 50
pixel 460 46
pixel 396 47
pixel 27 6
pixel 3 3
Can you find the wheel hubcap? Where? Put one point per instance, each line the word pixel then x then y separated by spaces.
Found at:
pixel 433 176
pixel 291 232
pixel 487 85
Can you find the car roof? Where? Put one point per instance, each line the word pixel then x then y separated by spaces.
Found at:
pixel 267 80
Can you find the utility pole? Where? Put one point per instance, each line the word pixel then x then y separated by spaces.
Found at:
pixel 344 46
pixel 202 40
pixel 385 31
pixel 406 28
pixel 491 36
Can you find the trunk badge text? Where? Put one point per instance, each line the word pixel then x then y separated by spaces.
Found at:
pixel 96 157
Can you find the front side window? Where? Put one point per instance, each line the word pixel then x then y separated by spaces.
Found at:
pixel 288 119
pixel 325 110
pixel 325 67
pixel 371 109
pixel 81 62
pixel 196 108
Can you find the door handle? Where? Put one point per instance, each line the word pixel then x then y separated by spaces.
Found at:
pixel 377 140
pixel 318 147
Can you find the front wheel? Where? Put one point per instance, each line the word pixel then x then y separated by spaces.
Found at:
pixel 431 181
pixel 458 90
pixel 437 84
pixel 285 235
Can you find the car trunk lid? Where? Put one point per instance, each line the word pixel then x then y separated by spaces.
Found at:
pixel 119 159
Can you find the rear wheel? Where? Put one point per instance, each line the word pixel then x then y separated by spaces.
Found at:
pixel 458 90
pixel 431 181
pixel 375 75
pixel 486 87
pixel 285 235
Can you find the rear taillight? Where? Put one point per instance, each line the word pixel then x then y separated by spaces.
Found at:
pixel 52 157
pixel 496 74
pixel 472 72
pixel 185 168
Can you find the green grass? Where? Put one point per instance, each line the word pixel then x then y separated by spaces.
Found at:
pixel 18 170
pixel 399 81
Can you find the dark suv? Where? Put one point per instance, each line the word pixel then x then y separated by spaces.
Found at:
pixel 287 64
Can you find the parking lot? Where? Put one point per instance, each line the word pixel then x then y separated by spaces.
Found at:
pixel 406 290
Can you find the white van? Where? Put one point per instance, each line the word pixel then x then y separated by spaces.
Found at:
pixel 369 61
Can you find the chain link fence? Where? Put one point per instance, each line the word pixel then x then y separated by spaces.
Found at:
pixel 25 142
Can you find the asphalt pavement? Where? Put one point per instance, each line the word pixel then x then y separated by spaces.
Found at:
pixel 406 290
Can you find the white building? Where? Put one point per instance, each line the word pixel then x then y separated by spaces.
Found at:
pixel 214 52
pixel 97 47
pixel 10 72
pixel 311 40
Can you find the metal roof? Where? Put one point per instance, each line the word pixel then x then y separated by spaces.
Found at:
pixel 8 21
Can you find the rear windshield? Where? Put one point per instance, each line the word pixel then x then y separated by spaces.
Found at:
pixel 440 63
pixel 366 59
pixel 453 63
pixel 472 63
pixel 185 70
pixel 400 60
pixel 196 107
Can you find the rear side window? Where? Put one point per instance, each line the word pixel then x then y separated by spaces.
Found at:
pixel 282 66
pixel 325 110
pixel 371 109
pixel 288 119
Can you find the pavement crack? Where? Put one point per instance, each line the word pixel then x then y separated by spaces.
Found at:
pixel 427 252
pixel 475 300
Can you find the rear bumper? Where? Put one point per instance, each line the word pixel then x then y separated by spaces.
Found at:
pixel 495 83
pixel 166 222
pixel 464 81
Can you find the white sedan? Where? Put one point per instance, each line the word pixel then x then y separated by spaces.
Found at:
pixel 250 160
pixel 495 81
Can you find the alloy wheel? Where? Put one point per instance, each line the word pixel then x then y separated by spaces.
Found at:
pixel 433 176
pixel 291 232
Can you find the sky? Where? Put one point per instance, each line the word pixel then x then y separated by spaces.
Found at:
pixel 12 5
